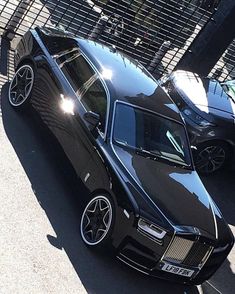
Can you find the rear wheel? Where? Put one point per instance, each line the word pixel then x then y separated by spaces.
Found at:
pixel 211 157
pixel 97 222
pixel 21 86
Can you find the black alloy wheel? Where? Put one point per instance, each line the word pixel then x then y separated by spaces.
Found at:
pixel 211 157
pixel 21 86
pixel 97 221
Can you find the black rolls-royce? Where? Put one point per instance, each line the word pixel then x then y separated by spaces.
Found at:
pixel 127 142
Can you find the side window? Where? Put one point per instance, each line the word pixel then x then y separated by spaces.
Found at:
pixel 95 100
pixel 75 68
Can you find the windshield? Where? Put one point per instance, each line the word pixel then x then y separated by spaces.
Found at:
pixel 151 135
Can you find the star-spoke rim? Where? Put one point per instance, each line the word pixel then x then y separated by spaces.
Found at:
pixel 21 85
pixel 210 159
pixel 96 220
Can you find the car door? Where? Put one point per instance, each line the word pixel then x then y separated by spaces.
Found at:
pixel 91 166
pixel 81 144
pixel 79 75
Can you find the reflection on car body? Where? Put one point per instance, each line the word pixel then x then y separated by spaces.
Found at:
pixel 208 108
pixel 127 142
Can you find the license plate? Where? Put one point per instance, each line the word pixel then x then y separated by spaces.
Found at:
pixel 177 270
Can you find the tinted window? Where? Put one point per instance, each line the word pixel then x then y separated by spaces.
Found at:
pixel 95 100
pixel 76 69
pixel 151 134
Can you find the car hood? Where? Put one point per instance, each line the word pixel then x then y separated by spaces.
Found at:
pixel 177 192
pixel 204 93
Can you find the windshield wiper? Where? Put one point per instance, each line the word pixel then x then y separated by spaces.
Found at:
pixel 147 154
pixel 159 156
pixel 231 97
pixel 154 155
pixel 121 142
pixel 226 89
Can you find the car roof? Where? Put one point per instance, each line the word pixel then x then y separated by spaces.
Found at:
pixel 129 81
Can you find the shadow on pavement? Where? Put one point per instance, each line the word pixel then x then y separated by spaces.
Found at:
pixel 224 279
pixel 59 191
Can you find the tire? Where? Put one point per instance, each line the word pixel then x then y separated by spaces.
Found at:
pixel 211 157
pixel 21 86
pixel 97 222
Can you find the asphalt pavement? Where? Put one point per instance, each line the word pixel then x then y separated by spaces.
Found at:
pixel 40 247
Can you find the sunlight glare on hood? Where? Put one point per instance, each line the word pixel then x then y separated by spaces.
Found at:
pixel 107 74
pixel 192 87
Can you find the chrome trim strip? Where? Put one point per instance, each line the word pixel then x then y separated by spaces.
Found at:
pixel 207 255
pixel 130 265
pixel 86 177
pixel 56 56
pixel 159 242
pixel 104 136
pixel 69 59
pixel 126 213
pixel 215 222
pixel 154 233
pixel 138 264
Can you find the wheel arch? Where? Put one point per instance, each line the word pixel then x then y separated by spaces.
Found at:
pixel 102 191
pixel 230 145
pixel 25 60
pixel 207 162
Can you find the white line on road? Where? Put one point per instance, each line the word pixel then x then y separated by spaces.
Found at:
pixel 213 287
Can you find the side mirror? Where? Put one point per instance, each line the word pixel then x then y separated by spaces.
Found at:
pixel 92 118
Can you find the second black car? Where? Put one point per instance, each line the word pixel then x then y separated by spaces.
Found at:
pixel 208 109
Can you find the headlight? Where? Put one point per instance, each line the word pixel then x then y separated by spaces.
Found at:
pixel 150 229
pixel 196 118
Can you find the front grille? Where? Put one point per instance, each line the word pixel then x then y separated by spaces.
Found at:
pixel 187 252
pixel 197 254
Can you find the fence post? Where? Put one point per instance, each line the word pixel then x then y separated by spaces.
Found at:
pixel 4 53
pixel 159 55
pixel 15 19
pixel 212 41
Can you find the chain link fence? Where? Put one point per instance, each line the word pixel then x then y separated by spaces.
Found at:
pixel 157 33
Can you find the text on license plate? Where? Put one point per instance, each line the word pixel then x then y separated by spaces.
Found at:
pixel 177 270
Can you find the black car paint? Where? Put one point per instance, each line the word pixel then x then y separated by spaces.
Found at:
pixel 92 153
pixel 220 112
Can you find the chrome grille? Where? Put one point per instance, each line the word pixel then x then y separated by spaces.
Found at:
pixel 187 252
pixel 197 254
pixel 178 250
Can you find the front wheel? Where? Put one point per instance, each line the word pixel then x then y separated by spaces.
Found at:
pixel 211 156
pixel 97 221
pixel 21 86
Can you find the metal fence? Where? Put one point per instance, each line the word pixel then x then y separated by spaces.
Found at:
pixel 6 62
pixel 225 67
pixel 157 33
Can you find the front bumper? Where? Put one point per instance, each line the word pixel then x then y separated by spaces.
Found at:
pixel 146 256
pixel 197 134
